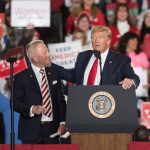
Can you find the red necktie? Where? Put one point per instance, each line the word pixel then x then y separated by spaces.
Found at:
pixel 45 95
pixel 92 74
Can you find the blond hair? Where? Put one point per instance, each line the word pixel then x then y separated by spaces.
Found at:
pixel 101 29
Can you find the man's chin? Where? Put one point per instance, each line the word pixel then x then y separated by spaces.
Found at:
pixel 48 64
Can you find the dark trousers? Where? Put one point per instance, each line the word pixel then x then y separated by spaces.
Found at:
pixel 44 135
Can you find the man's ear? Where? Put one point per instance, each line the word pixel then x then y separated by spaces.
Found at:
pixel 108 41
pixel 34 59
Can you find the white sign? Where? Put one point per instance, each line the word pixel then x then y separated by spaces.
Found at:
pixel 65 54
pixel 36 12
pixel 142 91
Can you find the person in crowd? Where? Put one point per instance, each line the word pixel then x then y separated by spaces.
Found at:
pixel 82 32
pixel 87 6
pixel 4 38
pixel 141 134
pixel 133 6
pixel 80 35
pixel 145 34
pixel 83 23
pixel 101 65
pixel 129 44
pixel 38 98
pixel 6 112
pixel 121 25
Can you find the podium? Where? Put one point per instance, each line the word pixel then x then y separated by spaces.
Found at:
pixel 101 117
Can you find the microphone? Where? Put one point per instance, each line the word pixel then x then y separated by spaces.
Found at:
pixel 98 55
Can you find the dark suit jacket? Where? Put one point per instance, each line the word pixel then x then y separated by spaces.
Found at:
pixel 116 68
pixel 27 93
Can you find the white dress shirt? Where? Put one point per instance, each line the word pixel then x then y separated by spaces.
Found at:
pixel 89 66
pixel 39 79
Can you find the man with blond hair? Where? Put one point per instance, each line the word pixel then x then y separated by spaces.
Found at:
pixel 101 66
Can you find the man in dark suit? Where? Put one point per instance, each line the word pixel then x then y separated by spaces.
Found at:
pixel 112 68
pixel 38 98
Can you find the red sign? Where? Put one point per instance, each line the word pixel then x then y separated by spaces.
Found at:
pixel 41 147
pixel 139 146
pixel 145 114
pixel 18 66
pixel 2 20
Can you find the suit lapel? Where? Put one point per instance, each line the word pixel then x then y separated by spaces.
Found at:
pixel 33 79
pixel 106 73
pixel 83 66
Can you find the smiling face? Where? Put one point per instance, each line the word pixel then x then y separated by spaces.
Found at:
pixel 100 41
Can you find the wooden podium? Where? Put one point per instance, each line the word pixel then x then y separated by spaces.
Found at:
pixel 91 132
pixel 101 141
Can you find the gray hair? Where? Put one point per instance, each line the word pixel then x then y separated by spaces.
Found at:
pixel 31 48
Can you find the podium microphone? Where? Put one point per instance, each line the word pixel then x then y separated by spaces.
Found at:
pixel 98 55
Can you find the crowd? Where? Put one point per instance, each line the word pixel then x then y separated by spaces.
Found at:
pixel 128 20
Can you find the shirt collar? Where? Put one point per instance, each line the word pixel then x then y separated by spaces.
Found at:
pixel 36 69
pixel 104 54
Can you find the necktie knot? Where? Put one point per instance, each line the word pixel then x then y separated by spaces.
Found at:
pixel 42 71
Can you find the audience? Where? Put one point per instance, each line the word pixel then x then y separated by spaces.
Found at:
pixel 141 134
pixel 80 17
pixel 145 34
pixel 87 6
pixel 122 24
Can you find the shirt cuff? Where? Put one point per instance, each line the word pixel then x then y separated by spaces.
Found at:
pixel 62 123
pixel 31 113
pixel 133 83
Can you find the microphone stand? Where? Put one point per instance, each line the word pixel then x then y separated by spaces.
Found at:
pixel 11 60
pixel 100 64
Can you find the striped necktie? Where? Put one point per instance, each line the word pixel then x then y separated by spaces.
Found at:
pixel 46 103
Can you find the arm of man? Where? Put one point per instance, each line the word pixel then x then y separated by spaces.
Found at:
pixel 26 95
pixel 65 74
pixel 130 78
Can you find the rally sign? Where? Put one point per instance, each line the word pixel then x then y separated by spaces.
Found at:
pixel 18 66
pixel 26 12
pixel 145 114
pixel 65 54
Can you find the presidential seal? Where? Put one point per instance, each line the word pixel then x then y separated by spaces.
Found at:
pixel 101 104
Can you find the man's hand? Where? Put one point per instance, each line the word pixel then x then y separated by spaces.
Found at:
pixel 62 129
pixel 126 83
pixel 38 109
